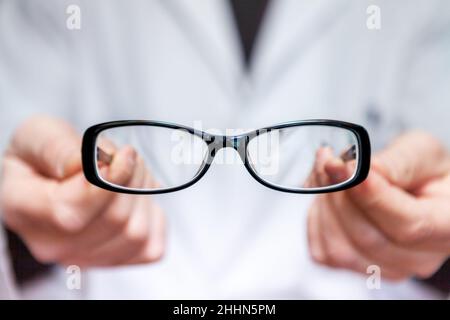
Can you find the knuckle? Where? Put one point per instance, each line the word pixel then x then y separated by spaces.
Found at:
pixel 53 145
pixel 116 219
pixel 433 144
pixel 316 254
pixel 12 214
pixel 13 222
pixel 9 211
pixel 318 258
pixel 61 216
pixel 392 164
pixel 413 233
pixel 155 254
pixel 64 220
pixel 54 219
pixel 44 253
pixel 341 257
pixel 368 190
pixel 9 204
pixel 370 241
pixel 137 236
pixel 426 270
pixel 397 276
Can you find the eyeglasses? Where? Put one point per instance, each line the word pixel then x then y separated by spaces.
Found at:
pixel 149 157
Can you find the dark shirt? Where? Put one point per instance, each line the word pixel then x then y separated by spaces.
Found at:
pixel 248 15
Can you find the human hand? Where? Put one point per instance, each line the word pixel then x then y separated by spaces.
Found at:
pixel 329 169
pixel 62 218
pixel 398 219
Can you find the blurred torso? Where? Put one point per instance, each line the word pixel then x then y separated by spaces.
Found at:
pixel 228 236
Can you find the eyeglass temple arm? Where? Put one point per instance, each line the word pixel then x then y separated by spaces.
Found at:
pixel 103 156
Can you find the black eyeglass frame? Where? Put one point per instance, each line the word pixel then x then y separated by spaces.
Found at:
pixel 217 142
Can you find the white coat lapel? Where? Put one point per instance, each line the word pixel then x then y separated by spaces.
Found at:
pixel 208 26
pixel 292 26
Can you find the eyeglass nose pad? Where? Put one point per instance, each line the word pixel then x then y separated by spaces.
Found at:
pixel 239 143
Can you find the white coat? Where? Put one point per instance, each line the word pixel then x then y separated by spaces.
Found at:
pixel 180 61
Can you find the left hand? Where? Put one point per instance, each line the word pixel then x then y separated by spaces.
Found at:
pixel 398 219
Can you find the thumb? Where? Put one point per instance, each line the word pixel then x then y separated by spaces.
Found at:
pixel 80 202
pixel 412 159
pixel 51 146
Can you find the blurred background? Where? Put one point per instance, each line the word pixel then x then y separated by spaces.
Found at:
pixel 224 64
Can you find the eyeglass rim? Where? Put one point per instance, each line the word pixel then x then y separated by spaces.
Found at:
pixel 214 144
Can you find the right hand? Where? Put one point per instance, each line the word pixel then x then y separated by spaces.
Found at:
pixel 62 218
pixel 397 219
pixel 329 169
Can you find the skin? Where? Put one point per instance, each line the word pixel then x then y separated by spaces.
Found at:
pixel 398 219
pixel 64 219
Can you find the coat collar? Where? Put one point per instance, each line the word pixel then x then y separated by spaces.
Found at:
pixel 290 28
pixel 208 27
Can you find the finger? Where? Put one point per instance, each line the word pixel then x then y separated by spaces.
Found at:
pixel 311 181
pixel 34 219
pixel 437 188
pixel 336 170
pixel 112 221
pixel 324 155
pixel 122 167
pixel 116 253
pixel 436 223
pixel 76 202
pixel 154 249
pixel 410 222
pixel 107 250
pixel 314 239
pixel 339 250
pixel 20 182
pixel 131 246
pixel 398 214
pixel 105 151
pixel 125 244
pixel 55 245
pixel 372 244
pixel 413 159
pixel 51 146
pixel 318 177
